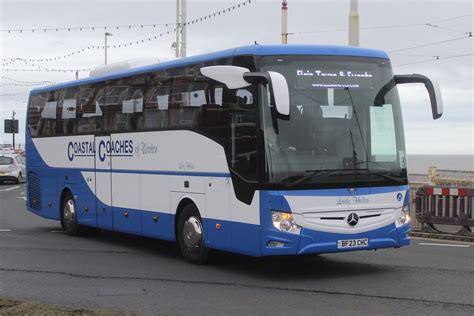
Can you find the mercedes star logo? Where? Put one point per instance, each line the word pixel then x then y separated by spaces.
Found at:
pixel 399 196
pixel 352 219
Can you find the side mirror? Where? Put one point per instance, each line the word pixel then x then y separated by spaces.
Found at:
pixel 239 77
pixel 434 92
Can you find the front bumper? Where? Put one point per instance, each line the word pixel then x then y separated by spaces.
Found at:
pixel 313 242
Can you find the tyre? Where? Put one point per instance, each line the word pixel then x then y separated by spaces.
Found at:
pixel 19 178
pixel 190 235
pixel 69 216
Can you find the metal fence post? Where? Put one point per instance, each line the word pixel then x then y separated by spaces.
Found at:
pixel 472 212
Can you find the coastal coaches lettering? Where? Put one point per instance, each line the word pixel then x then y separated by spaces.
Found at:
pixel 87 149
pixel 258 150
pixel 80 149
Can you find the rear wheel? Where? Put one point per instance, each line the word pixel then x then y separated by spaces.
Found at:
pixel 69 216
pixel 191 235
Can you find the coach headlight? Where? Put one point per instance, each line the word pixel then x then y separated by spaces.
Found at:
pixel 404 217
pixel 285 222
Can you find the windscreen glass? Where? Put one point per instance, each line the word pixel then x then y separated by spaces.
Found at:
pixel 336 132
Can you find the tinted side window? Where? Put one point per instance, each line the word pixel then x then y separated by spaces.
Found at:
pixel 243 130
pixel 132 104
pixel 48 117
pixel 187 97
pixel 122 104
pixel 88 111
pixel 110 104
pixel 67 109
pixel 157 100
pixel 36 106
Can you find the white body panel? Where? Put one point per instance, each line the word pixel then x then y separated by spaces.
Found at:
pixel 243 213
pixel 188 184
pixel 217 198
pixel 154 193
pixel 182 151
pixel 149 171
pixel 126 191
pixel 198 199
pixel 67 152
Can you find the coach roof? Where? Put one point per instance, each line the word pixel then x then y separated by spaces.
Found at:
pixel 257 50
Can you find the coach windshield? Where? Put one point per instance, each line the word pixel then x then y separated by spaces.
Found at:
pixel 335 132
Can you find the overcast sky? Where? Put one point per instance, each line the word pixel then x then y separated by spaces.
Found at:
pixel 318 21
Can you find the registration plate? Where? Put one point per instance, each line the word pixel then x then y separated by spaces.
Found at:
pixel 352 243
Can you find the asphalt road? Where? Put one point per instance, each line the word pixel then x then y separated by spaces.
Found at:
pixel 114 271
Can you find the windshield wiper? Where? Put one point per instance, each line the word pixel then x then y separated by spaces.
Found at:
pixel 319 172
pixel 315 172
pixel 361 134
pixel 387 177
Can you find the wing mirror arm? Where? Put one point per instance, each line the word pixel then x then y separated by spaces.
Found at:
pixel 279 92
pixel 432 87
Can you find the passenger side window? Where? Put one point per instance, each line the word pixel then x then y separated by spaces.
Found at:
pixel 127 108
pixel 243 131
pixel 35 110
pixel 193 98
pixel 157 101
pixel 88 112
pixel 49 114
pixel 67 109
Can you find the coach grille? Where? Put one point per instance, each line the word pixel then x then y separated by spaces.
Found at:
pixel 34 191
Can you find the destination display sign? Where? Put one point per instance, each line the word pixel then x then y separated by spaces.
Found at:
pixel 320 78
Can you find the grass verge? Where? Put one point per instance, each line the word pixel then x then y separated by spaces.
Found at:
pixel 13 308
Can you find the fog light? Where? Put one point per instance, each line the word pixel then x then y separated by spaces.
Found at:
pixel 284 222
pixel 275 244
pixel 404 217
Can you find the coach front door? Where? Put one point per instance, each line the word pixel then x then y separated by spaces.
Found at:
pixel 103 183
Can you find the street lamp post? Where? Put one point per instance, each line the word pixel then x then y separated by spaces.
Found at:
pixel 105 46
pixel 13 128
pixel 284 22
pixel 354 23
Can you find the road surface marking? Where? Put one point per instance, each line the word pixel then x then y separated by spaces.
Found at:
pixel 57 231
pixel 22 197
pixel 443 245
pixel 5 230
pixel 9 189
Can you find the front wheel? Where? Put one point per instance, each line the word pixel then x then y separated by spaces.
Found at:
pixel 19 178
pixel 69 216
pixel 191 235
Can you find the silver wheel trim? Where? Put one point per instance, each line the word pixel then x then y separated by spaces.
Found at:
pixel 192 233
pixel 69 213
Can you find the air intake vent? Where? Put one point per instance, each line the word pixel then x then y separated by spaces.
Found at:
pixel 34 191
